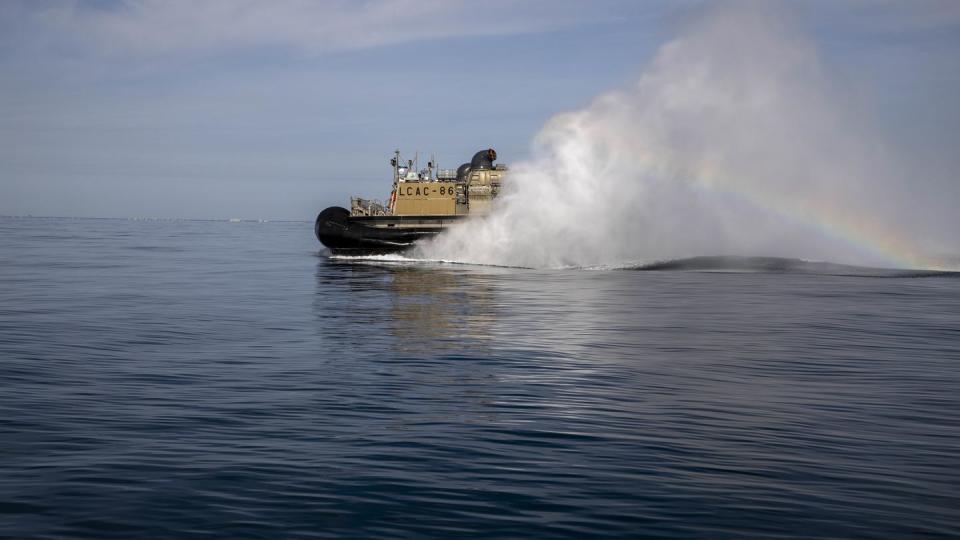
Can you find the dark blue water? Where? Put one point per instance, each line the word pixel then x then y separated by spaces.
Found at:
pixel 205 379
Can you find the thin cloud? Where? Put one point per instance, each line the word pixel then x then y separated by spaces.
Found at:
pixel 172 27
pixel 898 16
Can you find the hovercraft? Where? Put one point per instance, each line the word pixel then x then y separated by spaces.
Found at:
pixel 422 204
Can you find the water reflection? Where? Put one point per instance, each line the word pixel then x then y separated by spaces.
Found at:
pixel 409 309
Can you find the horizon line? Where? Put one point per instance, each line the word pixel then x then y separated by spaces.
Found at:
pixel 156 218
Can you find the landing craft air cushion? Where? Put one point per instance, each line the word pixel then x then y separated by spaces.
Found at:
pixel 422 204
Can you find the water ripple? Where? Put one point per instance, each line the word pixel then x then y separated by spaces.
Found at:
pixel 220 380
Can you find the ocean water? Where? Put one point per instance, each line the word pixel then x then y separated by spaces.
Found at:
pixel 186 379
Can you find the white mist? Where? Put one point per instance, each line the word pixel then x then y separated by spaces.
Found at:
pixel 729 143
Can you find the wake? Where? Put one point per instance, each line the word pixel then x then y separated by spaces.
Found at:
pixel 704 263
pixel 784 265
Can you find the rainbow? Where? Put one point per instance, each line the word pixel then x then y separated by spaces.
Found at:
pixel 862 233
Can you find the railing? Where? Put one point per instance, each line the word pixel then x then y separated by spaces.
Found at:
pixel 367 207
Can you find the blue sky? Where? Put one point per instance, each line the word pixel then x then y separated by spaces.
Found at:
pixel 233 108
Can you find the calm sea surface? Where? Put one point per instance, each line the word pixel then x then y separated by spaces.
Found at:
pixel 227 380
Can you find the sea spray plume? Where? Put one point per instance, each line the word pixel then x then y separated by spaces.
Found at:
pixel 728 143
